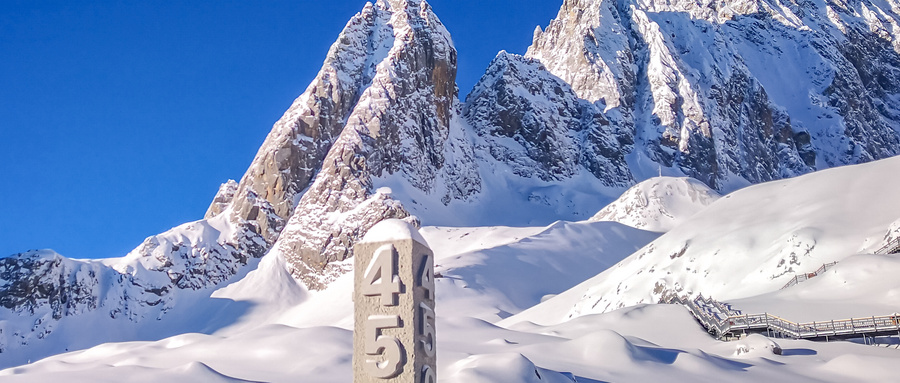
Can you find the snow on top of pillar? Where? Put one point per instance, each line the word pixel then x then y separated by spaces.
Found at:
pixel 391 230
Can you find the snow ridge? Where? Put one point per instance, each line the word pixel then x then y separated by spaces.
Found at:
pixel 659 204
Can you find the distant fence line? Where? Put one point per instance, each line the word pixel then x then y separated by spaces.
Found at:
pixel 805 277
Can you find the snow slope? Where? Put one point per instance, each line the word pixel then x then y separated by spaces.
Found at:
pixel 273 331
pixel 267 299
pixel 750 242
pixel 659 204
pixel 628 345
pixel 857 287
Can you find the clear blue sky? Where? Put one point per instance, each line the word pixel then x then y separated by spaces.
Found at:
pixel 119 119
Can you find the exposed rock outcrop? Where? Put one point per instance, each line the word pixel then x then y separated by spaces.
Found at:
pixel 535 123
pixel 736 92
pixel 401 125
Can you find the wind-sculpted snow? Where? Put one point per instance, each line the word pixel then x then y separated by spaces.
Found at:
pixel 659 204
pixel 750 242
pixel 484 273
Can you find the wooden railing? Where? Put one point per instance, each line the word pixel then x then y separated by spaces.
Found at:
pixel 805 277
pixel 891 247
pixel 723 322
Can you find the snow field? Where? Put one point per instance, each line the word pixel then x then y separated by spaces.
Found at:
pixel 514 304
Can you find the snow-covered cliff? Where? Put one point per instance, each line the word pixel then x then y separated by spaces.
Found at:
pixel 734 92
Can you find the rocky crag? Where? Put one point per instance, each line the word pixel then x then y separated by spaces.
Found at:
pixel 734 92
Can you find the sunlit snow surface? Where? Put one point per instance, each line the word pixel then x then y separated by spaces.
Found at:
pixel 492 326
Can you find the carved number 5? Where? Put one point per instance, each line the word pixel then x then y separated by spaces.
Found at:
pixel 427 329
pixel 380 279
pixel 386 346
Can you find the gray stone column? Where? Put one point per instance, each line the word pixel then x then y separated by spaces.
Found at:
pixel 394 333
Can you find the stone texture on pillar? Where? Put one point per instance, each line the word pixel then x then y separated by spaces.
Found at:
pixel 394 337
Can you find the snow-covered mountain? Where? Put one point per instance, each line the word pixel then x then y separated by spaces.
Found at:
pixel 503 302
pixel 737 91
pixel 609 95
pixel 44 293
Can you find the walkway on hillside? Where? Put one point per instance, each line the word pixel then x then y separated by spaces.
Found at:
pixel 892 247
pixel 807 276
pixel 724 322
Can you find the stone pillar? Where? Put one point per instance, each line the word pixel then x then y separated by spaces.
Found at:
pixel 394 335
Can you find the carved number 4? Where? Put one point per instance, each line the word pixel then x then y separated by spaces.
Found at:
pixel 426 277
pixel 380 279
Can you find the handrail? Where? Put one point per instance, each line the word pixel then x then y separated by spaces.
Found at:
pixel 736 321
pixel 805 277
pixel 890 247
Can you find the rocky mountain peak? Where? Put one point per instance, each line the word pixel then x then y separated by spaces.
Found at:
pixel 733 92
pixel 399 126
pixel 297 144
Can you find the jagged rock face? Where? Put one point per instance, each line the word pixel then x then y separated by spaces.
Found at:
pixel 534 122
pixel 34 280
pixel 383 105
pixel 400 125
pixel 222 199
pixel 196 264
pixel 143 285
pixel 736 92
pixel 298 143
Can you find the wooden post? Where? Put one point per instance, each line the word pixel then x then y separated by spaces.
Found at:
pixel 394 339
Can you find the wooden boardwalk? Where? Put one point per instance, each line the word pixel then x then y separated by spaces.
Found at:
pixel 724 322
pixel 892 247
